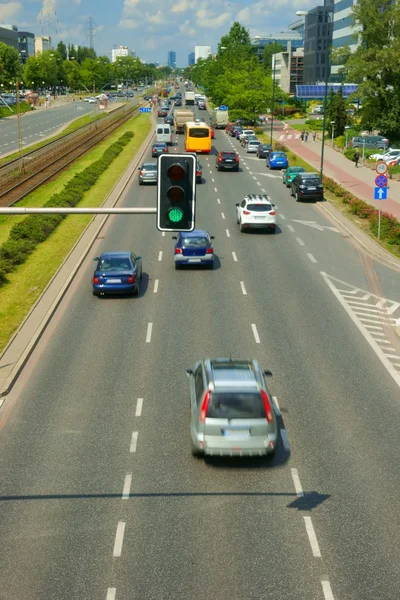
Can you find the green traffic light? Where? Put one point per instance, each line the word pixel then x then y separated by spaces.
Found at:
pixel 175 215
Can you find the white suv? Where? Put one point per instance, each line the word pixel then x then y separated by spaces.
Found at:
pixel 245 133
pixel 256 211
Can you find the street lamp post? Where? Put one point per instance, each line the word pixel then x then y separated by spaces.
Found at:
pixel 333 131
pixel 347 127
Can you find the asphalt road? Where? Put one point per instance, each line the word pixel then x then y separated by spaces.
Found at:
pixel 100 496
pixel 40 124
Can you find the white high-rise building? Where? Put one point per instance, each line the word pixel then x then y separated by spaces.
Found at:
pixel 42 43
pixel 201 52
pixel 118 51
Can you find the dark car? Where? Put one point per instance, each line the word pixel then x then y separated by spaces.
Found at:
pixel 264 150
pixel 307 186
pixel 227 160
pixel 158 148
pixel 162 113
pixel 178 102
pixel 117 273
pixel 237 131
pixel 169 120
pixel 199 172
pixel 194 248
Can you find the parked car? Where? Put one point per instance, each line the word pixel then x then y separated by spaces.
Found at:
pixel 148 173
pixel 289 174
pixel 117 273
pixel 307 186
pixel 256 211
pixel 169 121
pixel 391 154
pixel 158 148
pixel 237 132
pixel 162 113
pixel 277 160
pixel 246 132
pixel 264 150
pixel 252 146
pixel 247 139
pixel 227 159
pixel 194 248
pixel 231 407
pixel 369 142
pixel 178 102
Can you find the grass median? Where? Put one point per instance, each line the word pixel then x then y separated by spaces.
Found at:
pixel 28 281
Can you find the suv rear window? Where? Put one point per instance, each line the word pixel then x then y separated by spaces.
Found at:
pixel 236 405
pixel 228 154
pixel 259 207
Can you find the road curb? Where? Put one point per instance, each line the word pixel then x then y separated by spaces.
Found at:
pixel 111 201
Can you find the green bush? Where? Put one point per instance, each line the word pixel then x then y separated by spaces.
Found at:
pixel 390 228
pixel 315 124
pixel 340 141
pixel 394 170
pixel 34 229
pixel 281 147
pixel 258 131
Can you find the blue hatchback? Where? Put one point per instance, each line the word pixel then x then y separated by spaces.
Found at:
pixel 277 160
pixel 117 273
pixel 194 248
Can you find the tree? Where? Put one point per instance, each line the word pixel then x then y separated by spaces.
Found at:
pixel 375 64
pixel 10 64
pixel 237 36
pixel 62 50
pixel 336 111
pixel 71 51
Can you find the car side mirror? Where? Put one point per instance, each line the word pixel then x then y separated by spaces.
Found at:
pixel 283 170
pixel 267 373
pixel 237 204
pixel 174 237
pixel 139 258
pixel 189 372
pixel 97 258
pixel 212 237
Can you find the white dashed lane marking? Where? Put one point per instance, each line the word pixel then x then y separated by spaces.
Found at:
pixel 311 257
pixel 296 482
pixel 160 255
pixel 155 286
pixel 119 538
pixel 127 486
pixel 326 588
pixel 255 333
pixel 227 233
pixel 300 242
pixel 215 189
pixel 244 292
pixel 134 439
pixel 111 593
pixel 219 201
pixel 148 333
pixel 234 256
pixel 139 406
pixel 312 537
pixel 222 215
pixel 290 228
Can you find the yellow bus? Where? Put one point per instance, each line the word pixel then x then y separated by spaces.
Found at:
pixel 198 137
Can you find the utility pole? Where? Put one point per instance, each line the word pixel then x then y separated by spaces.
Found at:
pixel 90 28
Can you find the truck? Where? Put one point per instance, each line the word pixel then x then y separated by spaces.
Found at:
pixel 181 117
pixel 220 118
pixel 189 98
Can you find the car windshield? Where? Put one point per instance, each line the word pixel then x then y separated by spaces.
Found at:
pixel 279 155
pixel 254 142
pixel 114 264
pixel 160 145
pixel 194 241
pixel 259 207
pixel 265 146
pixel 296 170
pixel 228 154
pixel 312 180
pixel 149 167
pixel 236 405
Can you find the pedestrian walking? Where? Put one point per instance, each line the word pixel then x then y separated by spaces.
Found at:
pixel 314 135
pixel 356 157
pixel 305 136
pixel 302 135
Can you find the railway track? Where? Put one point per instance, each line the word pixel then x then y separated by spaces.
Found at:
pixel 22 187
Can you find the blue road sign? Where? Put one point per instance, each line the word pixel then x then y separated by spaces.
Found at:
pixel 380 193
pixel 381 181
pixel 283 102
pixel 223 107
pixel 144 109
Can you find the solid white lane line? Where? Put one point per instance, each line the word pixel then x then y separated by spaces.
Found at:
pixel 219 201
pixel 255 333
pixel 300 242
pixel 277 407
pixel 119 538
pixel 155 286
pixel 215 189
pixel 127 486
pixel 139 406
pixel 296 482
pixel 234 256
pixel 243 288
pixel 222 215
pixel 148 334
pixel 312 537
pixel 290 228
pixel 326 588
pixel 227 233
pixel 160 255
pixel 311 257
pixel 134 440
pixel 111 593
pixel 285 439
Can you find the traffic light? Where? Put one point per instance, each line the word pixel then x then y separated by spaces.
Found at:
pixel 176 192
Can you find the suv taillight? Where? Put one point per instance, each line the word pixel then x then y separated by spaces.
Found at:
pixel 95 280
pixel 204 406
pixel 237 158
pixel 272 212
pixel 267 406
pixel 178 250
pixel 246 212
pixel 209 251
pixel 131 279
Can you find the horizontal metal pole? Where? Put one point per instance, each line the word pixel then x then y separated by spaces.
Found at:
pixel 22 210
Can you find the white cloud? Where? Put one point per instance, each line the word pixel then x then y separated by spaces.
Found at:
pixel 183 6
pixel 9 11
pixel 186 29
pixel 243 15
pixel 208 19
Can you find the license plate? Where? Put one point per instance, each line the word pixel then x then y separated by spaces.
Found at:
pixel 237 434
pixel 259 218
pixel 114 281
pixel 228 160
pixel 194 260
pixel 312 188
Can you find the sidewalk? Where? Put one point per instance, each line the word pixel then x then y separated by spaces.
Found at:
pixel 359 182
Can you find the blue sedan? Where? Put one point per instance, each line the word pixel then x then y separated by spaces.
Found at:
pixel 277 160
pixel 194 248
pixel 117 273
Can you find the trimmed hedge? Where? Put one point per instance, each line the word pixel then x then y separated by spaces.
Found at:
pixel 35 229
pixel 390 226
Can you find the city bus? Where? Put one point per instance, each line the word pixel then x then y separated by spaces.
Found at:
pixel 197 137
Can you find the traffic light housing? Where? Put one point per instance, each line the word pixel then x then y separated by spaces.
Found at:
pixel 176 192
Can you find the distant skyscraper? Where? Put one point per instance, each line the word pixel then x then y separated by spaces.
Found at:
pixel 120 51
pixel 201 52
pixel 171 60
pixel 191 59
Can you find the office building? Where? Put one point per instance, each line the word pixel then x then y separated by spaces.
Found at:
pixel 191 59
pixel 26 43
pixel 317 43
pixel 344 32
pixel 171 59
pixel 288 68
pixel 9 35
pixel 283 37
pixel 298 26
pixel 121 51
pixel 201 52
pixel 42 43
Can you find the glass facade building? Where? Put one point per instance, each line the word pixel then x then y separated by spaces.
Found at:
pixel 26 43
pixel 171 59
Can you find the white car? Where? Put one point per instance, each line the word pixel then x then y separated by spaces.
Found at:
pixel 246 132
pixel 252 146
pixel 391 154
pixel 256 211
pixel 92 100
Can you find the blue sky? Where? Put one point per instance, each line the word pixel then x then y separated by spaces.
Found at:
pixel 152 27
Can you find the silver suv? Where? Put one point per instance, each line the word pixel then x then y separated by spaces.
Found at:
pixel 231 409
